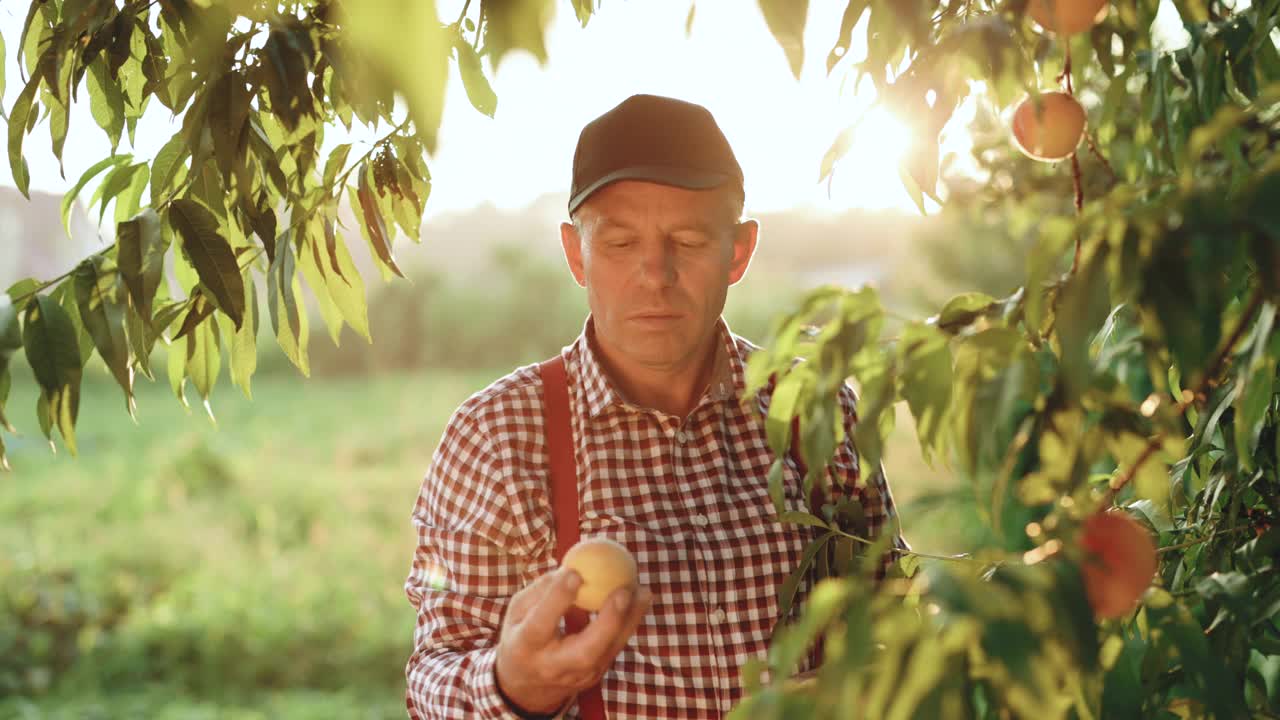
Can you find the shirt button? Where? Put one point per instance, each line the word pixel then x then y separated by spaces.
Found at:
pixel 718 616
pixel 700 520
pixel 682 436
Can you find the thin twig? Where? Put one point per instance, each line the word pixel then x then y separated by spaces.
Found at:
pixel 463 15
pixel 19 301
pixel 1197 541
pixel 1078 183
pixel 949 558
pixel 1093 148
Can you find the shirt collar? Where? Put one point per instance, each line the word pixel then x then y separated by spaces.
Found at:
pixel 728 376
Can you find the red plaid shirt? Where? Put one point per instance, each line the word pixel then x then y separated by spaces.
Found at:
pixel 688 498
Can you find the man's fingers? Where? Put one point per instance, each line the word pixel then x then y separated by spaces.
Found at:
pixel 528 596
pixel 541 623
pixel 640 605
pixel 588 650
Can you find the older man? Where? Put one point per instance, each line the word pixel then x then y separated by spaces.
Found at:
pixel 655 443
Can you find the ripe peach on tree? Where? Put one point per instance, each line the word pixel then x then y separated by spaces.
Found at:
pixel 1067 17
pixel 1119 563
pixel 1049 126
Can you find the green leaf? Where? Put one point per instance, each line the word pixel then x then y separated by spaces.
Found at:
pixel 49 337
pixel 177 371
pixel 375 227
pixel 141 247
pixel 10 342
pixel 787 591
pixel 288 321
pixel 69 199
pixel 405 42
pixel 583 9
pixel 777 493
pixel 477 85
pixel 66 297
pixel 167 166
pixel 782 407
pixel 875 409
pixel 1251 407
pixel 141 339
pixel 104 318
pixel 59 118
pixel 129 201
pixel 786 19
pixel 926 382
pixel 311 261
pixel 799 517
pixel 852 12
pixel 19 119
pixel 333 166
pixel 120 179
pixel 211 255
pixel 961 310
pixel 106 102
pixel 204 361
pixel 512 25
pixel 243 354
pixel 199 311
pixel 228 115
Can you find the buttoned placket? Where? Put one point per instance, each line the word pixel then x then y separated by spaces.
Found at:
pixel 684 445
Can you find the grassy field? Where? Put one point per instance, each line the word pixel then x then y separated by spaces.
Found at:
pixel 251 569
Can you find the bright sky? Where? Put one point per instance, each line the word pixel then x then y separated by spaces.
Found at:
pixel 780 128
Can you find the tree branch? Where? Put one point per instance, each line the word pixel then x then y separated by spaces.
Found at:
pixel 1215 367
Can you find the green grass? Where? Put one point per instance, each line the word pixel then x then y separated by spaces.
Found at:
pixel 267 552
pixel 248 569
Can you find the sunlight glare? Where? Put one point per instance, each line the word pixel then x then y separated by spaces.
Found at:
pixel 867 177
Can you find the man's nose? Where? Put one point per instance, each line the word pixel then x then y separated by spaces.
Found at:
pixel 658 263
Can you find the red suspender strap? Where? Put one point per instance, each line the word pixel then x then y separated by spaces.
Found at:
pixel 564 497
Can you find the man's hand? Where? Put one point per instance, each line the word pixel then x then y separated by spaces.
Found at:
pixel 538 668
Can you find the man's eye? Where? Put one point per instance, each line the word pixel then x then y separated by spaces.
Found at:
pixel 691 240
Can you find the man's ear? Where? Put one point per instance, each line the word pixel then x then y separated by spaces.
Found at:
pixel 571 241
pixel 745 236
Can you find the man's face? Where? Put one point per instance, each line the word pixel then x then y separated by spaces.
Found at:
pixel 657 262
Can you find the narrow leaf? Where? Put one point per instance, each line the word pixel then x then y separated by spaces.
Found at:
pixel 211 255
pixel 787 591
pixel 54 356
pixel 19 117
pixel 243 354
pixel 204 361
pixel 104 318
pixel 141 247
pixel 786 19
pixel 473 79
pixel 375 227
pixel 10 342
pixel 69 200
pixel 166 167
pixel 106 102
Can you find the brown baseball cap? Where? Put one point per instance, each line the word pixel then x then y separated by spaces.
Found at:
pixel 653 138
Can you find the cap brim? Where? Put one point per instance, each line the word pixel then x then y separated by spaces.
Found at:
pixel 676 177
